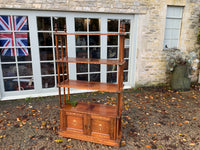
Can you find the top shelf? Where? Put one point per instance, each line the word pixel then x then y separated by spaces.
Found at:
pixel 91 61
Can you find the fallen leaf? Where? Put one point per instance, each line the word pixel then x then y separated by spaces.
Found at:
pixel 58 141
pixel 148 146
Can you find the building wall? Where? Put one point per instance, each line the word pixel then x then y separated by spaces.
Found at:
pixel 150 62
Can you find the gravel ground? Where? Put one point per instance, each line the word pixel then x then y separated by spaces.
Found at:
pixel 153 118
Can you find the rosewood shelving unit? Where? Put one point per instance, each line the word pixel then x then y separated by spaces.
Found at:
pixel 92 122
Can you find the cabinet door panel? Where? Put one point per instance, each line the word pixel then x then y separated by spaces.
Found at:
pixel 101 126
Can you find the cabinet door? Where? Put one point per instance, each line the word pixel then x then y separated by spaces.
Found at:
pixel 73 122
pixel 101 126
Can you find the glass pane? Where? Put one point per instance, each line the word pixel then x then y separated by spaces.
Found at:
pixel 48 82
pixel 94 40
pixel 112 25
pixel 62 67
pixel 6 40
pixel 125 76
pixel 82 77
pixel 5 24
pixel 81 53
pixel 81 40
pixel 26 83
pixel 22 40
pixel 61 23
pixel 25 69
pixel 45 39
pixel 80 24
pixel 95 52
pixel 95 77
pixel 126 52
pixel 59 40
pixel 126 65
pixel 20 23
pixel 24 57
pixel 62 78
pixel 112 52
pixel 11 85
pixel 127 40
pixel 81 68
pixel 6 58
pixel 112 40
pixel 127 25
pixel 9 70
pixel 44 23
pixel 47 68
pixel 94 25
pixel 111 77
pixel 46 54
pixel 94 68
pixel 111 67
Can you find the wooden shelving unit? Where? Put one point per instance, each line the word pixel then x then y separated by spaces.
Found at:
pixel 97 123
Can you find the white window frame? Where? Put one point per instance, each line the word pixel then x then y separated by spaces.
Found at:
pixel 32 20
pixel 173 26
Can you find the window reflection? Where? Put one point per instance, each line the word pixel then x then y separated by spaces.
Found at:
pixel 81 40
pixel 94 40
pixel 112 40
pixel 46 54
pixel 95 77
pixel 25 69
pixel 83 77
pixel 48 82
pixel 9 70
pixel 81 53
pixel 45 39
pixel 10 85
pixel 47 68
pixel 94 25
pixel 80 24
pixel 112 25
pixel 44 23
pixel 112 52
pixel 61 23
pixel 112 77
pixel 95 52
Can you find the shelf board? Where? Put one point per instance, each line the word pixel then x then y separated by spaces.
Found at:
pixel 97 86
pixel 91 61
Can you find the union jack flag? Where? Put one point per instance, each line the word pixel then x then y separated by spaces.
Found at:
pixel 8 39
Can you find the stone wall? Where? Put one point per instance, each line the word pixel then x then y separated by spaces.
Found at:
pixel 150 61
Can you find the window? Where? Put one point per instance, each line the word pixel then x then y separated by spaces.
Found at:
pixel 173 26
pixel 15 53
pixel 46 27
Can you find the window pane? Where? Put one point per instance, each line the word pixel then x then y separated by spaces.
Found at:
pixel 127 39
pixel 25 69
pixel 26 83
pixel 81 40
pixel 81 53
pixel 111 67
pixel 45 39
pixel 111 77
pixel 112 52
pixel 95 52
pixel 81 67
pixel 125 77
pixel 20 23
pixel 127 24
pixel 94 40
pixel 26 57
pixel 112 40
pixel 44 23
pixel 6 58
pixel 94 68
pixel 82 77
pixel 10 84
pixel 80 24
pixel 61 23
pixel 6 40
pixel 9 70
pixel 47 68
pixel 94 25
pixel 46 54
pixel 6 23
pixel 126 65
pixel 112 25
pixel 126 52
pixel 95 77
pixel 48 82
pixel 174 12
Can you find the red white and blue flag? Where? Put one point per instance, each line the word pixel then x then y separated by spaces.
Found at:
pixel 8 39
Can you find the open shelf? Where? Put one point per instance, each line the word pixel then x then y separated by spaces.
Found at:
pixel 88 85
pixel 90 61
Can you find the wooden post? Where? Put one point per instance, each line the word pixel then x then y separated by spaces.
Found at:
pixel 57 57
pixel 67 67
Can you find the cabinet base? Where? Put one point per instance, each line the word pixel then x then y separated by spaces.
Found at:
pixel 91 138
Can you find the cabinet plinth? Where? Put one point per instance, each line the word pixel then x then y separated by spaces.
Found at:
pixel 91 122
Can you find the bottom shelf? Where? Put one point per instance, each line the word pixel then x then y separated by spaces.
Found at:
pixel 91 122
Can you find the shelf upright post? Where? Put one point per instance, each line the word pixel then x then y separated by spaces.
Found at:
pixel 120 77
pixel 57 57
pixel 67 66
